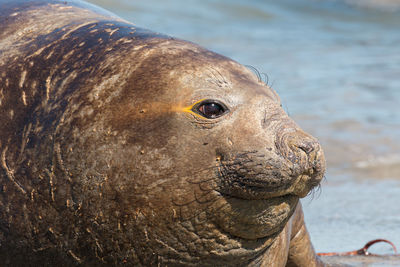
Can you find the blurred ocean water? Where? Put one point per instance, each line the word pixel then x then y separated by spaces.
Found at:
pixel 336 66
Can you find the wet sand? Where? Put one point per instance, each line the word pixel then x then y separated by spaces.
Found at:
pixel 362 261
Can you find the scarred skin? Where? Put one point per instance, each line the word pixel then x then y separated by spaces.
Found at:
pixel 106 158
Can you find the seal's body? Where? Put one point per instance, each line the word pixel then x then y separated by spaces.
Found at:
pixel 122 146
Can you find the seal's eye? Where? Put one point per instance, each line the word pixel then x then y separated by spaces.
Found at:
pixel 211 109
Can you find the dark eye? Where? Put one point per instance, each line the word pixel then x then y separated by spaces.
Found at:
pixel 211 109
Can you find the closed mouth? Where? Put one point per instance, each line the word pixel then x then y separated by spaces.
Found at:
pixel 253 191
pixel 258 189
pixel 257 193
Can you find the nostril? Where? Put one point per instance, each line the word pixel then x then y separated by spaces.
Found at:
pixel 307 147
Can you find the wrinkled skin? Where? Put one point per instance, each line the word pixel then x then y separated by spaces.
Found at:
pixel 106 158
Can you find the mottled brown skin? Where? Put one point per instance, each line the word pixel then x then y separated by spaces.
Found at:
pixel 104 159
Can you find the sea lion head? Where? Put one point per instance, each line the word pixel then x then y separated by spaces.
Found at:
pixel 191 158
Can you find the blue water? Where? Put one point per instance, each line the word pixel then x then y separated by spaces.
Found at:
pixel 336 66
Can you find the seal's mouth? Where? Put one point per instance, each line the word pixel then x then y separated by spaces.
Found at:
pixel 257 199
pixel 253 189
pixel 250 177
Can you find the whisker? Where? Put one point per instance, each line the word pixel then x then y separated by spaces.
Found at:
pixel 256 72
pixel 315 192
pixel 272 84
pixel 222 76
pixel 286 109
pixel 266 78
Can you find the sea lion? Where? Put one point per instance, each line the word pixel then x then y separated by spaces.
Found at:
pixel 121 146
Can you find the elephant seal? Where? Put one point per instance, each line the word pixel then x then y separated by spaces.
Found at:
pixel 123 146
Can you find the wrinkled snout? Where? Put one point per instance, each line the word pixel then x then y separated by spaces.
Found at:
pixel 306 157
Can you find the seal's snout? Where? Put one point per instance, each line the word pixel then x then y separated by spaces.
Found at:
pixel 303 150
pixel 306 158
